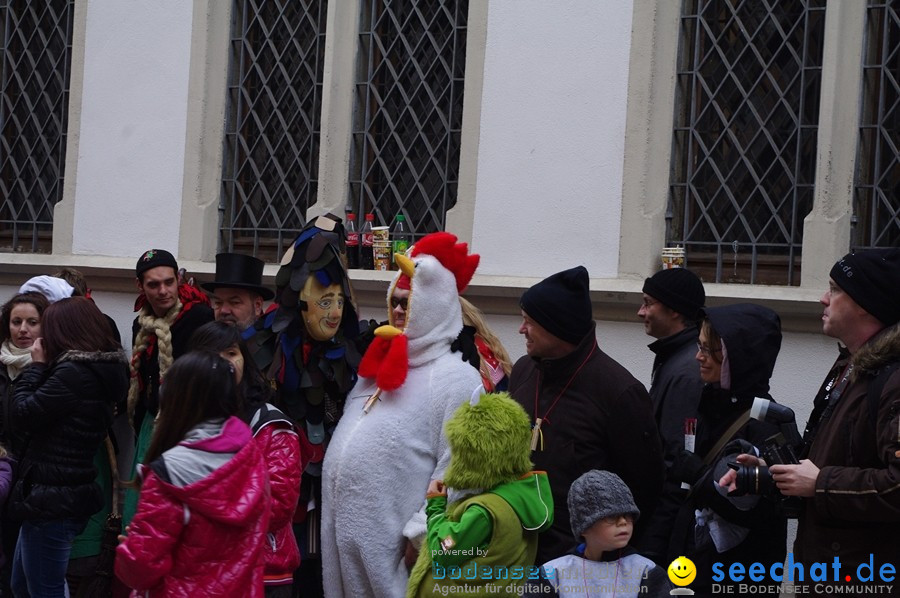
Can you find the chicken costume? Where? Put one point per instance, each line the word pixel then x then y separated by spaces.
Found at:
pixel 388 448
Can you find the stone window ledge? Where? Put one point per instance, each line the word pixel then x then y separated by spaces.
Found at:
pixel 615 299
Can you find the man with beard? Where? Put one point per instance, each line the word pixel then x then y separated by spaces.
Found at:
pixel 237 293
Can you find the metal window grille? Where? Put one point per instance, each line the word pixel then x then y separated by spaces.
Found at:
pixel 36 37
pixel 271 153
pixel 876 206
pixel 409 111
pixel 744 143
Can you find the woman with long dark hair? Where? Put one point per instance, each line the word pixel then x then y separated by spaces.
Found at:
pixel 204 505
pixel 280 443
pixel 63 406
pixel 225 339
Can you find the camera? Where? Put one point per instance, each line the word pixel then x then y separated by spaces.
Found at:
pixel 756 479
pixel 779 449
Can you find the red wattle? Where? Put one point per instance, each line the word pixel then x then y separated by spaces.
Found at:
pixel 369 364
pixel 392 373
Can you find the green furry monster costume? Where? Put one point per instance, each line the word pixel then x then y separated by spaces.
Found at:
pixel 484 544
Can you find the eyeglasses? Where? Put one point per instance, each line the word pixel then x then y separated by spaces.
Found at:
pixel 707 351
pixel 401 303
pixel 614 519
pixel 647 303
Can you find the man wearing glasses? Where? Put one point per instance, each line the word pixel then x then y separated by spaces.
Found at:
pixel 669 309
pixel 399 303
pixel 849 470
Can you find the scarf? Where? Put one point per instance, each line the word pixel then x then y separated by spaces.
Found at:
pixel 14 358
pixel 151 329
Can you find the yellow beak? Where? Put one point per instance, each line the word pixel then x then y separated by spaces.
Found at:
pixel 387 331
pixel 406 265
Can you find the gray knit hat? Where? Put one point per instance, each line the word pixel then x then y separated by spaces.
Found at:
pixel 595 495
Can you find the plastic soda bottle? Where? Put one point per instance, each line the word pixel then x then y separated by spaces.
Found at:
pixel 400 237
pixel 366 241
pixel 352 244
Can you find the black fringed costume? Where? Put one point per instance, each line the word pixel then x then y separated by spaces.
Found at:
pixel 312 377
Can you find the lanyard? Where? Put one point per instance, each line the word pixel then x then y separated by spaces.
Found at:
pixel 537 436
pixel 834 389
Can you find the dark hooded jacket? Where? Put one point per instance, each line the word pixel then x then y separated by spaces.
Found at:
pixel 64 409
pixel 855 512
pixel 751 335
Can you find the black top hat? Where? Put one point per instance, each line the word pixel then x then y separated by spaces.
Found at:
pixel 238 271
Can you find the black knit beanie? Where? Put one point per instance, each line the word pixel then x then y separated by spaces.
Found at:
pixel 595 495
pixel 872 279
pixel 153 258
pixel 678 289
pixel 561 304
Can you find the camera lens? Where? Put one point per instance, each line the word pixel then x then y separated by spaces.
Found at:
pixel 753 480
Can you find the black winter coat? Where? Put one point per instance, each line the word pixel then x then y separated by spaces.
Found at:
pixel 675 386
pixel 604 420
pixel 752 338
pixel 675 390
pixel 9 436
pixel 65 410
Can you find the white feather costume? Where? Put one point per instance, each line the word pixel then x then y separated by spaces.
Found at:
pixel 378 464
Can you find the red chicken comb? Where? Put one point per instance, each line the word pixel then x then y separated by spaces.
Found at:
pixel 453 256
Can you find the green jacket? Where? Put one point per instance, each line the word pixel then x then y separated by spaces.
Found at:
pixel 486 542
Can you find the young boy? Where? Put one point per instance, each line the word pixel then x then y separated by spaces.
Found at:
pixel 602 513
pixel 484 544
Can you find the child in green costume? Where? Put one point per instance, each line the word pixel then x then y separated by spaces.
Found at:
pixel 484 543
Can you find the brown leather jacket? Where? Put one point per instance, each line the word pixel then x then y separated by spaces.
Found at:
pixel 856 508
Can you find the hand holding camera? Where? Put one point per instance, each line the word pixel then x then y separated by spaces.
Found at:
pixel 729 480
pixel 754 475
pixel 796 480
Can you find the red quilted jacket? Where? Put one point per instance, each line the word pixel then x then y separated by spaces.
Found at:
pixel 285 459
pixel 201 520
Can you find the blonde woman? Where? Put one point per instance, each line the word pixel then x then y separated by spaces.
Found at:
pixel 494 364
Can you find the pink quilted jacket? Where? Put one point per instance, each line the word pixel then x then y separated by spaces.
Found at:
pixel 285 460
pixel 202 518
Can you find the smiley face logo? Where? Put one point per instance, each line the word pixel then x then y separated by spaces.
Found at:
pixel 682 571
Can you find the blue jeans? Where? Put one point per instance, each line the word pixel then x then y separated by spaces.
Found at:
pixel 41 558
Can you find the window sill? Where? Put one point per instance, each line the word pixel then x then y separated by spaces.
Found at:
pixel 614 299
